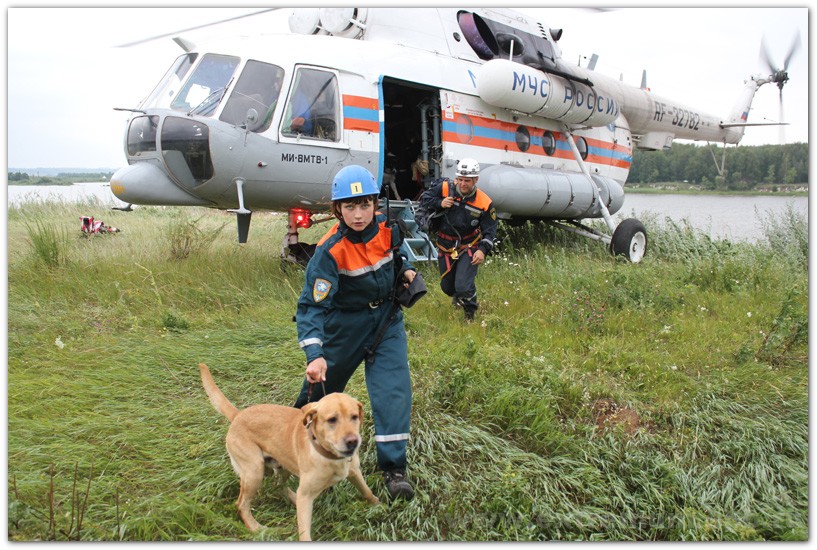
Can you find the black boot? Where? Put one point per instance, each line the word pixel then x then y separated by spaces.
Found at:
pixel 397 484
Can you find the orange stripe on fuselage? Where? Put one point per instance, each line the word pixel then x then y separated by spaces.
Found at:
pixel 360 105
pixel 360 101
pixel 509 145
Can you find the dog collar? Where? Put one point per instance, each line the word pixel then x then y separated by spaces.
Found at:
pixel 322 451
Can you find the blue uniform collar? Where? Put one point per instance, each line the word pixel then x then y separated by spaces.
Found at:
pixel 359 236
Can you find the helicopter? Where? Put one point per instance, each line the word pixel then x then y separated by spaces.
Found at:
pixel 264 122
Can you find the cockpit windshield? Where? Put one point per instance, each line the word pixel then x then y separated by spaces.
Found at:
pixel 206 86
pixel 171 82
pixel 253 100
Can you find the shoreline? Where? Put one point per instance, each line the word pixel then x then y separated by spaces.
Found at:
pixel 747 193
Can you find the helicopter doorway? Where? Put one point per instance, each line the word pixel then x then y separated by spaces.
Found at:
pixel 413 143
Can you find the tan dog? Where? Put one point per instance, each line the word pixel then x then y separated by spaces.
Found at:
pixel 318 443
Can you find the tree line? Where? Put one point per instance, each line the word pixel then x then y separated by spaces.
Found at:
pixel 62 177
pixel 746 166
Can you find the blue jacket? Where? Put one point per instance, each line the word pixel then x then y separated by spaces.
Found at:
pixel 348 271
pixel 470 217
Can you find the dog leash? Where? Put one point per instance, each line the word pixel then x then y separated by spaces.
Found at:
pixel 309 391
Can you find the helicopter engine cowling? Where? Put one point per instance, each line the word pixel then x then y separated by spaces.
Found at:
pixel 518 87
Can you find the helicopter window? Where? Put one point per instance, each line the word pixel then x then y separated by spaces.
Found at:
pixel 465 128
pixel 206 86
pixel 142 134
pixel 522 138
pixel 186 150
pixel 172 81
pixel 313 106
pixel 549 143
pixel 581 145
pixel 255 96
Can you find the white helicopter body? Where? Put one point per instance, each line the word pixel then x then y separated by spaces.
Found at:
pixel 385 88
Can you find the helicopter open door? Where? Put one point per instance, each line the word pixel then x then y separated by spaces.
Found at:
pixel 412 154
pixel 412 141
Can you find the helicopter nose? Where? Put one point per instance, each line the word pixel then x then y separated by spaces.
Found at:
pixel 146 183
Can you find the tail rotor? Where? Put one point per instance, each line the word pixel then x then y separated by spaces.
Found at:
pixel 778 75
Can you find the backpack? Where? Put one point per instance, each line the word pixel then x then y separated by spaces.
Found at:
pixel 426 219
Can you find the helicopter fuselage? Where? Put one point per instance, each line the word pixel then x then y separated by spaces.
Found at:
pixel 264 122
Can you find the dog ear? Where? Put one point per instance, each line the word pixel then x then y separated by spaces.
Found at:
pixel 310 411
pixel 360 411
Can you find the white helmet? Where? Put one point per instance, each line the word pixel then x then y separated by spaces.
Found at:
pixel 468 168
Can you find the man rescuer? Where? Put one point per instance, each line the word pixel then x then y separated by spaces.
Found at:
pixel 464 222
pixel 347 315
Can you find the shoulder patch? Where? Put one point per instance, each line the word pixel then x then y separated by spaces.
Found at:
pixel 493 213
pixel 321 289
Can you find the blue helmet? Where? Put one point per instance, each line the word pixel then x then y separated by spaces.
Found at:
pixel 353 181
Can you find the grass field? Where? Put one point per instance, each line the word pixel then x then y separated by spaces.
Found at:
pixel 591 400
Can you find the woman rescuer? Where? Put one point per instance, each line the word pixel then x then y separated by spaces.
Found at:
pixel 346 315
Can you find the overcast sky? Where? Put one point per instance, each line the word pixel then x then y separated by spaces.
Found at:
pixel 65 73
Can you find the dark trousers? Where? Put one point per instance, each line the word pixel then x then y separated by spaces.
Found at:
pixel 347 334
pixel 459 281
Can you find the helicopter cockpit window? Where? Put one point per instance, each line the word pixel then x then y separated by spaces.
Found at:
pixel 171 82
pixel 313 110
pixel 204 89
pixel 253 100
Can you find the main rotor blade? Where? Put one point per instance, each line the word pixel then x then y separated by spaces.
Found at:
pixel 795 45
pixel 157 37
pixel 765 57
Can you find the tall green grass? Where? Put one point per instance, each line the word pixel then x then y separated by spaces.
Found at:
pixel 705 340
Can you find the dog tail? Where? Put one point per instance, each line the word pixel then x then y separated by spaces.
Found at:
pixel 217 398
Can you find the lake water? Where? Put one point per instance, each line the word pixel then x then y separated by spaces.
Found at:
pixel 734 217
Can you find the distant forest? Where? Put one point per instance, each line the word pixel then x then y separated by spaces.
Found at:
pixel 746 166
pixel 62 178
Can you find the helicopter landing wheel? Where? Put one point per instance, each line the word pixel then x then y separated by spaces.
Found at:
pixel 629 240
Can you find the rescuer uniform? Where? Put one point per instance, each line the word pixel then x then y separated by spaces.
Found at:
pixel 347 297
pixel 467 226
